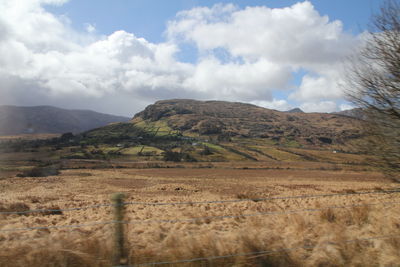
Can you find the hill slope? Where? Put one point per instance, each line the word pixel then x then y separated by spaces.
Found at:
pixel 227 119
pixel 295 110
pixel 355 113
pixel 213 131
pixel 47 119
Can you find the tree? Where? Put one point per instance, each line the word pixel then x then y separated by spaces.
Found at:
pixel 373 84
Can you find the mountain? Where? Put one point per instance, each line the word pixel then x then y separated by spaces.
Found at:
pixel 228 119
pixel 46 119
pixel 295 110
pixel 355 113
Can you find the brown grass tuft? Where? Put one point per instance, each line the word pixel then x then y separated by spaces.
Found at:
pixel 328 215
pixel 248 195
pixel 14 207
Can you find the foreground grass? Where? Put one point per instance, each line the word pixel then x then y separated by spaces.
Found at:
pixel 315 238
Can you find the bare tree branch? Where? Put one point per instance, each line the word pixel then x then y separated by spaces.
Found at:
pixel 373 84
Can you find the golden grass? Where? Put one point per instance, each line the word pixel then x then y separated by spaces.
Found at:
pixel 319 238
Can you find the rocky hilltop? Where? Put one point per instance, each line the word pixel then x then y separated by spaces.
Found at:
pixel 295 110
pixel 228 119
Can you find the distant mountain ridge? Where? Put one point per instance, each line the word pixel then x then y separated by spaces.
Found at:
pixel 47 119
pixel 295 110
pixel 355 113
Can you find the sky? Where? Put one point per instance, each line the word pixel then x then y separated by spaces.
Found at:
pixel 120 56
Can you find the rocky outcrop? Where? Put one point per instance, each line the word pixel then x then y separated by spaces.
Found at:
pixel 246 120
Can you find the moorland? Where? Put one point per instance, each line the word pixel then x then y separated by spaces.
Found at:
pixel 229 184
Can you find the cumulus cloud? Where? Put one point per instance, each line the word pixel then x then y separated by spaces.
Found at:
pixel 343 107
pixel 320 106
pixel 277 104
pixel 41 48
pixel 293 38
pixel 296 35
pixel 238 81
pixel 326 85
pixel 41 53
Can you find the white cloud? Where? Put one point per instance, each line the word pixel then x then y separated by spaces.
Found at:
pixel 90 28
pixel 277 104
pixel 237 81
pixel 326 85
pixel 343 107
pixel 292 38
pixel 322 106
pixel 296 35
pixel 264 47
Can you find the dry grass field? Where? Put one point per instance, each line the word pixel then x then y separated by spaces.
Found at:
pixel 319 231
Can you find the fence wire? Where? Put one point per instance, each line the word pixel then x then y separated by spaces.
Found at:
pixel 258 199
pixel 265 252
pixel 199 202
pixel 257 214
pixel 58 226
pixel 55 210
pixel 199 218
pixel 245 254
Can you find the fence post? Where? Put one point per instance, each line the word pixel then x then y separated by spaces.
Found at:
pixel 119 257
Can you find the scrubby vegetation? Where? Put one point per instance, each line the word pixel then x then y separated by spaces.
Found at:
pixel 40 171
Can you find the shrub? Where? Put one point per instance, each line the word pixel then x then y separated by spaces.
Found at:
pixel 14 207
pixel 53 210
pixel 188 158
pixel 40 171
pixel 206 151
pixel 328 215
pixel 172 156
